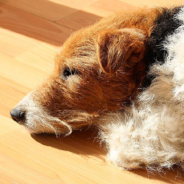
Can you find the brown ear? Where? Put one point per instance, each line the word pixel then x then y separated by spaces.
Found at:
pixel 117 47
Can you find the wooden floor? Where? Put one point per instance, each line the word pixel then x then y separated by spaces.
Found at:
pixel 31 31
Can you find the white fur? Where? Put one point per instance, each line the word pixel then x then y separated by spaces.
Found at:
pixel 37 120
pixel 151 135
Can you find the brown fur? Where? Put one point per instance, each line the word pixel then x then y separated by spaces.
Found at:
pixel 109 59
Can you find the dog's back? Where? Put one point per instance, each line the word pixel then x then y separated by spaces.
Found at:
pixel 150 134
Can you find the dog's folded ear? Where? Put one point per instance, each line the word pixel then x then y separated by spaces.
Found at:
pixel 118 47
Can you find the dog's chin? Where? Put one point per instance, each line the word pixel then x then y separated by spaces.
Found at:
pixel 47 129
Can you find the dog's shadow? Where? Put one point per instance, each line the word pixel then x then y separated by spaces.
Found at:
pixel 86 143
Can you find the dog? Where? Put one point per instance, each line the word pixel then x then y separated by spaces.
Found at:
pixel 123 74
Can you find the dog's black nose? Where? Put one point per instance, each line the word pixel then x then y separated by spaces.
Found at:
pixel 17 114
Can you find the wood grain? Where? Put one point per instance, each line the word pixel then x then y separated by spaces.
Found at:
pixel 49 9
pixel 31 32
pixel 145 3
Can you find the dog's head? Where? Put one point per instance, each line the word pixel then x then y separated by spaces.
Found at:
pixel 97 71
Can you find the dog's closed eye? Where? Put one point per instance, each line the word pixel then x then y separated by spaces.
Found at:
pixel 69 71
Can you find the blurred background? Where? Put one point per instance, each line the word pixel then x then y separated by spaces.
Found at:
pixel 31 33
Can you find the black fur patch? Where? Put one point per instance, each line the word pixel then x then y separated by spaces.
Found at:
pixel 165 25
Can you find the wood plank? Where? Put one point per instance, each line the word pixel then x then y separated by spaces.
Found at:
pixel 21 31
pixel 7 126
pixel 13 44
pixel 154 3
pixel 72 159
pixel 114 5
pixel 79 20
pixel 11 93
pixel 20 73
pixel 40 57
pixel 49 9
pixel 97 11
pixel 87 16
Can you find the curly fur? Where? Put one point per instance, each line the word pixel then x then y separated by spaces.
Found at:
pixel 151 134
